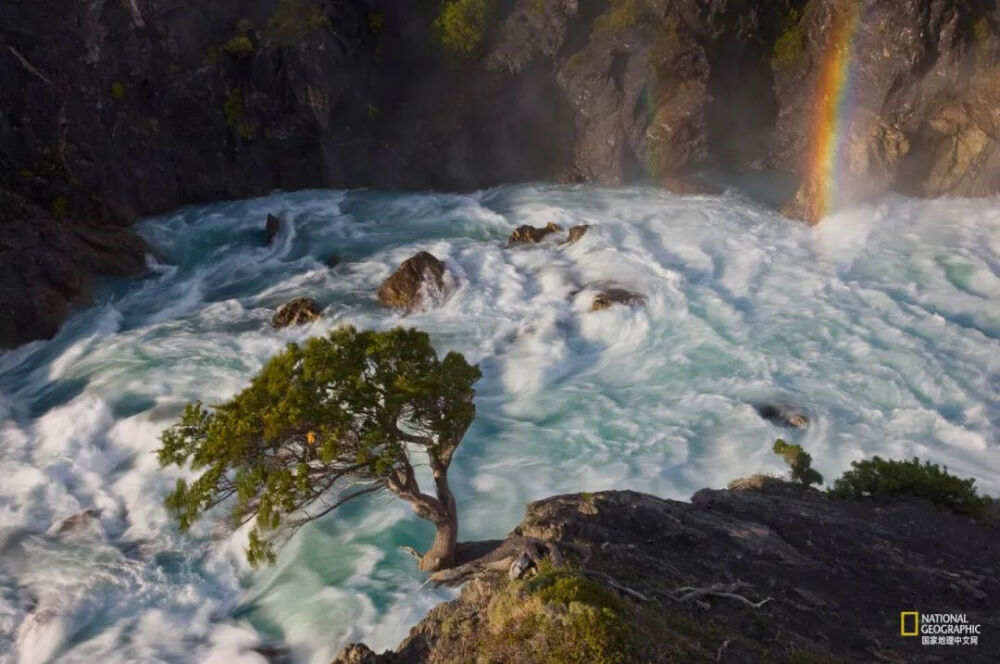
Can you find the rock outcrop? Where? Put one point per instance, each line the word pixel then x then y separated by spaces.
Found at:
pixel 576 232
pixel 783 415
pixel 418 282
pixel 48 265
pixel 770 572
pixel 609 297
pixel 299 311
pixel 532 234
pixel 923 90
pixel 272 227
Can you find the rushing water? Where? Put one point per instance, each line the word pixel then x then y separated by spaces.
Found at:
pixel 883 322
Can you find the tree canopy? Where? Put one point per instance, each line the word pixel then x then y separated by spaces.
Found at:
pixel 324 423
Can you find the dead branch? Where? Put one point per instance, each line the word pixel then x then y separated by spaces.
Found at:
pixel 610 581
pixel 722 649
pixel 690 593
pixel 31 68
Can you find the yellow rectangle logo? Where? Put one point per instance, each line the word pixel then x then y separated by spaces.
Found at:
pixel 915 618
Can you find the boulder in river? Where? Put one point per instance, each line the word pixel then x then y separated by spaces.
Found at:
pixel 299 311
pixel 576 232
pixel 75 522
pixel 532 234
pixel 608 297
pixel 272 228
pixel 784 415
pixel 419 280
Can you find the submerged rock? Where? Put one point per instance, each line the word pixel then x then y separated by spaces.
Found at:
pixel 532 234
pixel 75 522
pixel 272 228
pixel 607 298
pixel 576 232
pixel 687 187
pixel 728 577
pixel 783 415
pixel 299 311
pixel 418 281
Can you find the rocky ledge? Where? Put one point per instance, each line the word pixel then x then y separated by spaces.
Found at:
pixel 765 571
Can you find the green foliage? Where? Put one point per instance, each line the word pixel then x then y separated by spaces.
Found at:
pixel 335 411
pixel 376 21
pixel 881 477
pixel 239 46
pixel 620 15
pixel 118 91
pixel 59 207
pixel 799 461
pixel 244 26
pixel 233 110
pixel 461 26
pixel 560 616
pixel 981 30
pixel 293 20
pixel 791 44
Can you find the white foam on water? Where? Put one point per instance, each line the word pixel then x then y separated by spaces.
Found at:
pixel 883 323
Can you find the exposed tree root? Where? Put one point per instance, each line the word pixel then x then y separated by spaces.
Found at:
pixel 514 555
pixel 689 593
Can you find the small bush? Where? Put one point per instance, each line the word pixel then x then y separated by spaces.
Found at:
pixel 881 477
pixel 293 20
pixel 560 616
pixel 620 15
pixel 232 108
pixel 239 46
pixel 59 207
pixel 790 46
pixel 118 91
pixel 462 25
pixel 799 461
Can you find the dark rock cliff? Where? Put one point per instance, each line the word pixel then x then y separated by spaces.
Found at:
pixel 113 109
pixel 772 572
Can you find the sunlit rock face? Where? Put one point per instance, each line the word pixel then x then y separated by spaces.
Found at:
pixel 876 96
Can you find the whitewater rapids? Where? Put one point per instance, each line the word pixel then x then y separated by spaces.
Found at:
pixel 883 323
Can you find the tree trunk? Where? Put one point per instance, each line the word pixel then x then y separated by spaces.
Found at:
pixel 441 555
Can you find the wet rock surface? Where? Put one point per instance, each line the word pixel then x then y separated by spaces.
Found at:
pixel 299 311
pixel 609 297
pixel 532 234
pixel 784 415
pixel 838 574
pixel 418 282
pixel 47 267
pixel 272 227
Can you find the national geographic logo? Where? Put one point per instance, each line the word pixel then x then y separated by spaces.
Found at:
pixel 940 629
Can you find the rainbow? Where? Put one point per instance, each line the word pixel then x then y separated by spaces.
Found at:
pixel 830 121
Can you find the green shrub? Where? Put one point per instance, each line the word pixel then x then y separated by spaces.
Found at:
pixel 118 91
pixel 232 108
pixel 620 15
pixel 462 25
pixel 239 46
pixel 293 20
pixel 59 207
pixel 881 477
pixel 790 46
pixel 799 461
pixel 560 616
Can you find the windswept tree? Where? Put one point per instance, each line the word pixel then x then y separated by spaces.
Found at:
pixel 322 424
